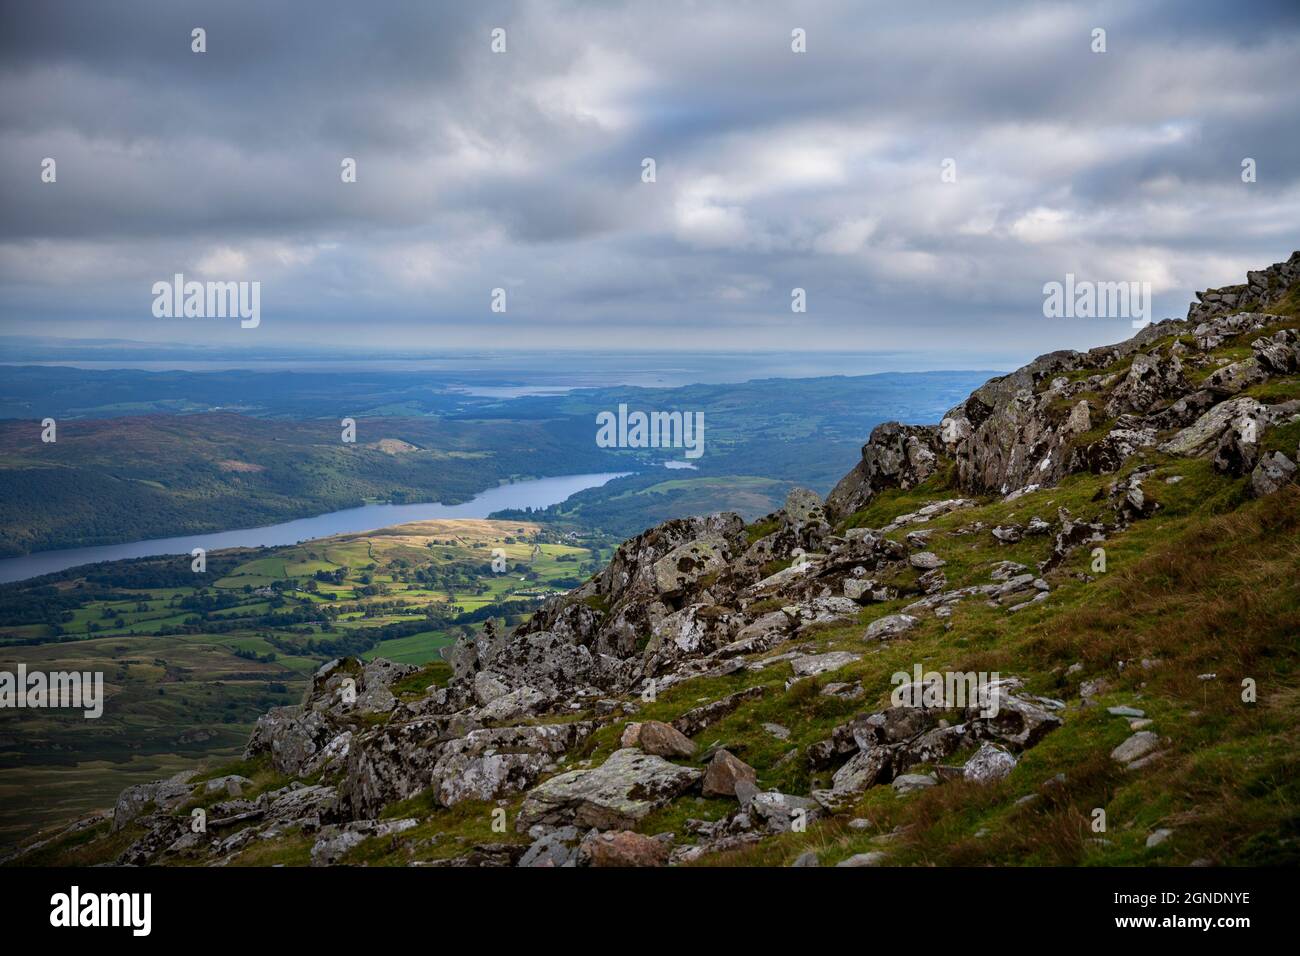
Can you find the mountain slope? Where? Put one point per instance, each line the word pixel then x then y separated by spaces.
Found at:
pixel 1104 541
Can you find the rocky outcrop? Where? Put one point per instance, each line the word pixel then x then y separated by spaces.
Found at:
pixel 488 764
pixel 1152 381
pixel 708 597
pixel 1027 429
pixel 302 739
pixel 1261 289
pixel 159 795
pixel 896 456
pixel 882 746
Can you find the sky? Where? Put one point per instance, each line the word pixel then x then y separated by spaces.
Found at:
pixel 824 170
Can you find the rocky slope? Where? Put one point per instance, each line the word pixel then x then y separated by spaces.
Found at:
pixel 1109 535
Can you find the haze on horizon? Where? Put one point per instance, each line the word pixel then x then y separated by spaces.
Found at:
pixel 522 170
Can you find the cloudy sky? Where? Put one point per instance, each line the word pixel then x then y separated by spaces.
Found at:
pixel 523 170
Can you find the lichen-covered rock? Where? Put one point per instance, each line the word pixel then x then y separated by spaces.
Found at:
pixel 333 842
pixel 292 736
pixel 989 764
pixel 1079 419
pixel 1020 720
pixel 1236 377
pixel 616 795
pixel 389 764
pixel 803 518
pixel 1151 381
pixel 1263 288
pixel 1108 453
pixel 491 763
pixel 232 784
pixel 864 770
pixel 1202 437
pixel 147 797
pixel 1140 745
pixel 911 782
pixel 1238 450
pixel 1272 472
pixel 686 564
pixel 706 715
pixel 809 665
pixel 762 634
pixel 302 739
pixel 1280 352
pixel 311 805
pixel 347 685
pixel 891 625
pixel 695 629
pixel 553 848
pixel 781 812
pixel 895 456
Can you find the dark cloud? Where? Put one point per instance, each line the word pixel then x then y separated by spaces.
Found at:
pixel 522 171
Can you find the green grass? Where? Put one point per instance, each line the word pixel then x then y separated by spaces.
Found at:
pixel 416 649
pixel 1209 584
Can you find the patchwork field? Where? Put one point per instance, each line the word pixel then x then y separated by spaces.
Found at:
pixel 191 660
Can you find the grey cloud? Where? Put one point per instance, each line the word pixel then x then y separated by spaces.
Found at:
pixel 523 170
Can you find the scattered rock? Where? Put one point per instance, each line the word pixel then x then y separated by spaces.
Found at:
pixel 809 665
pixel 615 795
pixel 658 738
pixel 777 731
pixel 1158 837
pixel 844 691
pixel 777 812
pixel 1271 474
pixel 554 848
pixel 334 842
pixel 1140 745
pixel 699 718
pixel 989 764
pixel 1125 712
pixel 874 858
pixel 891 625
pixel 232 785
pixel 909 782
pixel 724 772
pixel 622 848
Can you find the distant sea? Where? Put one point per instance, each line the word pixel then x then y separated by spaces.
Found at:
pixel 505 375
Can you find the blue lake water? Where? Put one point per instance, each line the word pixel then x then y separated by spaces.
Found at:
pixel 536 493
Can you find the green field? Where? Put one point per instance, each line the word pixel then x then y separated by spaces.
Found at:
pixel 188 670
pixel 416 649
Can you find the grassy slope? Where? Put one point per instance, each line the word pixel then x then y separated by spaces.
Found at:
pixel 1209 585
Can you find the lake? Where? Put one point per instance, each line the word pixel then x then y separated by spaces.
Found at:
pixel 535 493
